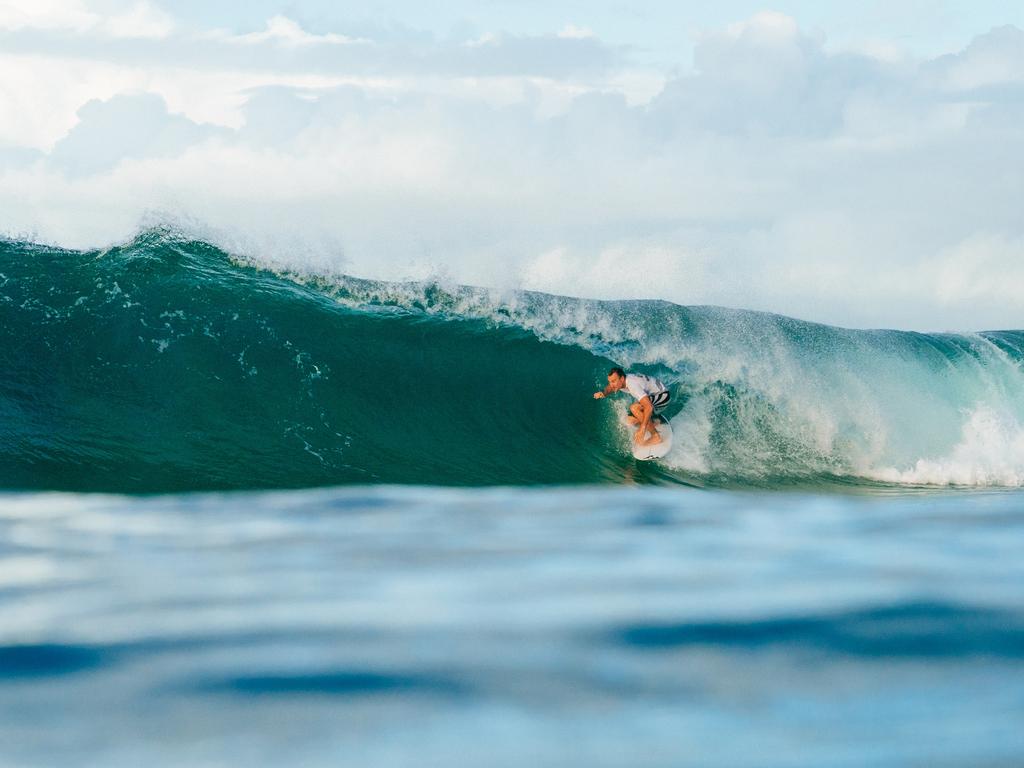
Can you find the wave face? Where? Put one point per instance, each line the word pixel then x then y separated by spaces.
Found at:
pixel 164 365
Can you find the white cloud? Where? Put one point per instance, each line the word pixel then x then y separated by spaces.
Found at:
pixel 883 50
pixel 573 31
pixel 43 93
pixel 777 175
pixel 765 28
pixel 46 14
pixel 141 19
pixel 123 128
pixel 142 36
pixel 281 29
pixel 487 38
pixel 994 58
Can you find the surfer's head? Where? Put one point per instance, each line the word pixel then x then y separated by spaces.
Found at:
pixel 617 378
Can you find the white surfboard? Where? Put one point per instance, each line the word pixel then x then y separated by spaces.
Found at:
pixel 655 451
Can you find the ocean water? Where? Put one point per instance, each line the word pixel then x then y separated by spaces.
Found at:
pixel 425 626
pixel 254 517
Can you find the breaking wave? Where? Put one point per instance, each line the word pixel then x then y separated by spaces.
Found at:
pixel 166 364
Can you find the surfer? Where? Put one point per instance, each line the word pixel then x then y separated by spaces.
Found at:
pixel 651 396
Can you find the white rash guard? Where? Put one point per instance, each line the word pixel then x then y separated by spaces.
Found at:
pixel 640 386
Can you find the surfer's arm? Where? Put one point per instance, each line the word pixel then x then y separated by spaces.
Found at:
pixel 604 392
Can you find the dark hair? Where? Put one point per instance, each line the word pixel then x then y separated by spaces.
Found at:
pixel 618 372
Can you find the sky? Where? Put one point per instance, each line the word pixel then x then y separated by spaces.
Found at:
pixel 858 164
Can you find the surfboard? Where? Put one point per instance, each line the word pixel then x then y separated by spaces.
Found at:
pixel 648 452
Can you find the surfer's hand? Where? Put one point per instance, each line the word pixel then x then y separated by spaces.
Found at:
pixel 598 395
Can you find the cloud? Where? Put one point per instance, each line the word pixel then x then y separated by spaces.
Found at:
pixel 281 29
pixel 274 115
pixel 994 58
pixel 765 76
pixel 776 174
pixel 142 36
pixel 141 19
pixel 127 127
pixel 18 157
pixel 572 31
pixel 46 14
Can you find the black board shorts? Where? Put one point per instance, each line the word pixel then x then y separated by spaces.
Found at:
pixel 658 400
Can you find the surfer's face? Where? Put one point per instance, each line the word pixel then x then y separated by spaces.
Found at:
pixel 616 381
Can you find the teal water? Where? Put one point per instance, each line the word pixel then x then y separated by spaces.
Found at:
pixel 165 364
pixel 266 517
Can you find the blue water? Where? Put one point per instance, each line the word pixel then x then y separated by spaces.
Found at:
pixel 396 626
pixel 253 517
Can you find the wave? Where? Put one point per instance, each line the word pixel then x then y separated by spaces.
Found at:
pixel 166 364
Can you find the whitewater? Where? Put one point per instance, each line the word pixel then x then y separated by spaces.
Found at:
pixel 155 365
pixel 259 515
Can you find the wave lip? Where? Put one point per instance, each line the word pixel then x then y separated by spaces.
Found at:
pixel 166 364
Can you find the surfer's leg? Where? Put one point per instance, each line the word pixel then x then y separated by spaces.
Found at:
pixel 648 412
pixel 637 416
pixel 645 412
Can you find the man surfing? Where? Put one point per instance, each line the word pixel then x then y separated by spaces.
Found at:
pixel 651 396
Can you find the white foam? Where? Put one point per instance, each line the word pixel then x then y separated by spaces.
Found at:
pixel 692 435
pixel 990 453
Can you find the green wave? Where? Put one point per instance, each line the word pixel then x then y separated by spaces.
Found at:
pixel 165 364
